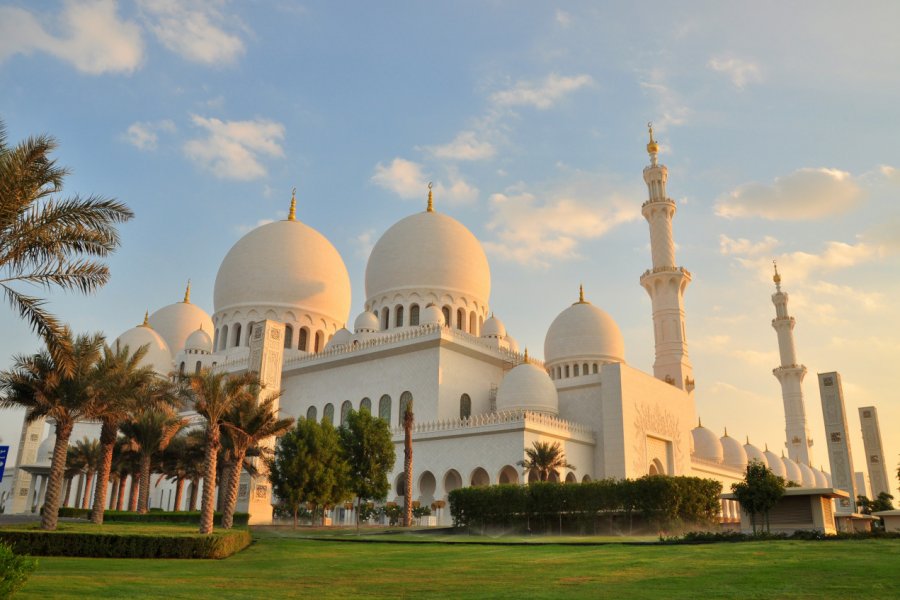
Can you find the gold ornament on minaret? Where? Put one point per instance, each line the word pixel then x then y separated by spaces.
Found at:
pixel 652 146
pixel 292 213
pixel 430 207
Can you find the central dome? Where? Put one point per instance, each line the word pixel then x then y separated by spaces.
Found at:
pixel 429 251
pixel 284 264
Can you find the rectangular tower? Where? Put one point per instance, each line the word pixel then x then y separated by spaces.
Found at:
pixel 871 435
pixel 29 442
pixel 862 486
pixel 839 456
pixel 266 358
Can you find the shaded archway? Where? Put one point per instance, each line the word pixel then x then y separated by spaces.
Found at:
pixel 508 474
pixel 452 481
pixel 479 477
pixel 570 478
pixel 427 486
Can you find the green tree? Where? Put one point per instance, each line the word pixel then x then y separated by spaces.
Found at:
pixel 864 505
pixel 247 424
pixel 214 394
pixel 408 421
pixel 544 460
pixel 367 445
pixel 180 462
pixel 119 379
pixel 38 384
pixel 309 467
pixel 48 241
pixel 759 492
pixel 884 501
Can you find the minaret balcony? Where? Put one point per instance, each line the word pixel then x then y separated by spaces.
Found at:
pixel 658 201
pixel 658 270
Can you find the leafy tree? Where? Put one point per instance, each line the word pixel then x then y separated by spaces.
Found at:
pixel 309 467
pixel 49 241
pixel 544 460
pixel 247 424
pixel 65 395
pixel 759 492
pixel 884 501
pixel 864 505
pixel 408 420
pixel 367 445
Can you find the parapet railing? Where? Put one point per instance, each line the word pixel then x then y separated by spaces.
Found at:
pixel 498 418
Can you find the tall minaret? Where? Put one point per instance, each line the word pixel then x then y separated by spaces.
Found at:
pixel 665 282
pixel 790 375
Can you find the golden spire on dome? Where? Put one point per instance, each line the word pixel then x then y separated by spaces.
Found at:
pixel 526 354
pixel 726 432
pixel 652 146
pixel 146 322
pixel 292 213
pixel 430 207
pixel 581 293
pixel 699 422
pixel 187 293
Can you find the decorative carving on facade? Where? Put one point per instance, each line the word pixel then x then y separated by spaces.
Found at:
pixel 651 420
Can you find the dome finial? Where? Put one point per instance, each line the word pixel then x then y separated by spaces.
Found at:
pixel 652 146
pixel 146 322
pixel 187 293
pixel 776 278
pixel 726 432
pixel 581 293
pixel 525 359
pixel 292 213
pixel 430 207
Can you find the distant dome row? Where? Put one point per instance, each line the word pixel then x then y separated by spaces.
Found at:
pixel 729 451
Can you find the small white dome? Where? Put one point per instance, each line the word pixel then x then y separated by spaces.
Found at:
pixel 792 471
pixel 429 251
pixel 493 328
pixel 806 473
pixel 366 322
pixel 431 315
pixel 199 341
pixel 775 464
pixel 754 453
pixel 733 452
pixel 583 331
pixel 821 480
pixel 512 343
pixel 175 322
pixel 706 445
pixel 528 387
pixel 158 355
pixel 45 450
pixel 828 478
pixel 341 337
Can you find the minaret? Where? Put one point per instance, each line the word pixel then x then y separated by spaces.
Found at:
pixel 790 375
pixel 665 282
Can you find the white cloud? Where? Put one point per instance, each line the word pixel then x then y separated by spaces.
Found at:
pixel 364 243
pixel 740 71
pixel 91 37
pixel 671 110
pixel 797 266
pixel 401 176
pixel 804 194
pixel 143 135
pixel 563 18
pixel 457 191
pixel 868 301
pixel 535 232
pixel 542 94
pixel 746 247
pixel 465 146
pixel 192 30
pixel 232 149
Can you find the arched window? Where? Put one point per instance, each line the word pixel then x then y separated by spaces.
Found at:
pixel 197 368
pixel 384 409
pixel 365 404
pixel 460 319
pixel 216 336
pixel 249 333
pixel 311 413
pixel 414 314
pixel 576 370
pixel 328 414
pixel 584 369
pixel 595 367
pixel 223 343
pixel 288 337
pixel 465 406
pixel 236 335
pixel 318 342
pixel 472 323
pixel 304 339
pixel 447 320
pixel 406 399
pixel 398 316
pixel 385 318
pixel 346 407
pixel 181 369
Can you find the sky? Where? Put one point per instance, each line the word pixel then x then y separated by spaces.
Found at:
pixel 777 123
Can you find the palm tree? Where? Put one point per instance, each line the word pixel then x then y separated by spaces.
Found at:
pixel 543 460
pixel 124 462
pixel 119 380
pixel 182 461
pixel 150 432
pixel 247 424
pixel 87 456
pixel 38 384
pixel 214 394
pixel 49 241
pixel 408 420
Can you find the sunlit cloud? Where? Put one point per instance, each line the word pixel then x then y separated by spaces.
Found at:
pixel 192 30
pixel 144 135
pixel 745 247
pixel 543 94
pixel 233 149
pixel 741 72
pixel 465 146
pixel 403 177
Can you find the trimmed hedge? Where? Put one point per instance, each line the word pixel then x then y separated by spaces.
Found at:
pixel 658 501
pixel 156 516
pixel 123 545
pixel 709 537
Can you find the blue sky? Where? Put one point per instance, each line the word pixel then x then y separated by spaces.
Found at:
pixel 778 124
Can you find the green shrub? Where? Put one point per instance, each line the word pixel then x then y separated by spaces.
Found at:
pixel 125 545
pixel 155 516
pixel 14 570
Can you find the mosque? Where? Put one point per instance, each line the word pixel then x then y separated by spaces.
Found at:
pixel 426 335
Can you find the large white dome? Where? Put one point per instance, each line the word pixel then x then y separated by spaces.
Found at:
pixel 754 453
pixel 158 355
pixel 706 445
pixel 428 252
pixel 775 464
pixel 284 264
pixel 528 387
pixel 176 322
pixel 583 331
pixel 733 452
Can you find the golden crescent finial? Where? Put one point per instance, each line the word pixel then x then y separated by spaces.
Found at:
pixel 526 354
pixel 652 146
pixel 146 322
pixel 292 213
pixel 581 293
pixel 430 207
pixel 776 278
pixel 187 293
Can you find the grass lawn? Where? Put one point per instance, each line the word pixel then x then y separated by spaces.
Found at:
pixel 174 529
pixel 282 565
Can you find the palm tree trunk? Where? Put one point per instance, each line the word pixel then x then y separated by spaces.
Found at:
pixel 65 501
pixel 209 479
pixel 50 511
pixel 144 498
pixel 133 494
pixel 108 433
pixel 407 468
pixel 120 498
pixel 88 480
pixel 192 501
pixel 179 492
pixel 114 483
pixel 231 489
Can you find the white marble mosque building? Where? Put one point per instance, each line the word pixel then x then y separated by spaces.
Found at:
pixel 426 334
